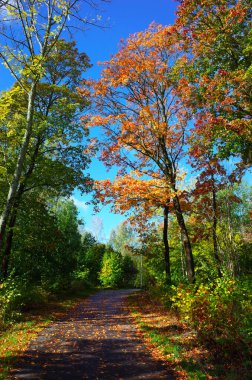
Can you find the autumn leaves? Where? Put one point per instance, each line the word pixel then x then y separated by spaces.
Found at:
pixel 167 97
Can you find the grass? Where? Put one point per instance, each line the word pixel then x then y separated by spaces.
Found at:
pixel 172 341
pixel 18 335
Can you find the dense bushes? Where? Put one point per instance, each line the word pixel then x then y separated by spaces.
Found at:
pixel 16 294
pixel 218 311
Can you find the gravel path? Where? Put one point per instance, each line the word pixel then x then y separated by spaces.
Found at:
pixel 96 340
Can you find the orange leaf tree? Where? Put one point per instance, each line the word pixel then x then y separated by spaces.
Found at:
pixel 215 36
pixel 144 124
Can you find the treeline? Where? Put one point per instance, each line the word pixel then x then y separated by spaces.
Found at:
pixel 50 256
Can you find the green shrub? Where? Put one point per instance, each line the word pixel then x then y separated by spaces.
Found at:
pixel 218 312
pixel 81 275
pixel 17 294
pixel 10 300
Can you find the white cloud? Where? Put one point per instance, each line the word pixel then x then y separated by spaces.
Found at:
pixel 81 205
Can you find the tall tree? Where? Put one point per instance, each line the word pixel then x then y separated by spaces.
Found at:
pixel 143 121
pixel 122 237
pixel 55 155
pixel 212 178
pixel 29 31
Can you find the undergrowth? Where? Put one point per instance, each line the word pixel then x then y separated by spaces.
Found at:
pixel 171 339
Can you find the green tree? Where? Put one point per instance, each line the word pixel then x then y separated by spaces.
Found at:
pixel 35 247
pixel 68 248
pixel 111 274
pixel 45 249
pixel 122 238
pixel 55 155
pixel 129 271
pixel 91 259
pixel 234 235
pixel 32 28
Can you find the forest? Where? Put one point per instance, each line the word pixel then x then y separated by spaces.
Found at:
pixel 173 110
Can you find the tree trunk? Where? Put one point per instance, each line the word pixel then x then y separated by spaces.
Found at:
pixel 166 246
pixel 15 207
pixel 9 239
pixel 182 257
pixel 231 243
pixel 214 230
pixel 185 238
pixel 19 166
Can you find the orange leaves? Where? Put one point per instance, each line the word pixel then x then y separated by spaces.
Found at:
pixel 144 54
pixel 144 196
pixel 134 101
pixel 132 190
pixel 216 77
pixel 207 18
pixel 99 120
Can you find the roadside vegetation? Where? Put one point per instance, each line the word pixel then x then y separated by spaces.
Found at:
pixel 187 353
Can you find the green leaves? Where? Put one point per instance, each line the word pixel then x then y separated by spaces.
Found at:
pixel 111 272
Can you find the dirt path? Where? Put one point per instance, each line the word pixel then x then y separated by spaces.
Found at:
pixel 96 340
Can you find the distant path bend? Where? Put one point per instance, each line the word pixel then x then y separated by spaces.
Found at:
pixel 96 340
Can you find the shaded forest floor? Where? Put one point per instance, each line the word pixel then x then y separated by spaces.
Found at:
pixel 15 339
pixel 172 341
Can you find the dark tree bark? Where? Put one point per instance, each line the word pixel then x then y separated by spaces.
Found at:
pixel 166 245
pixel 214 229
pixel 14 210
pixel 185 239
pixel 8 243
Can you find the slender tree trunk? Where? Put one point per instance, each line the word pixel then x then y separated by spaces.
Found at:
pixel 182 257
pixel 10 233
pixel 166 245
pixel 185 239
pixel 19 166
pixel 9 239
pixel 15 208
pixel 232 248
pixel 214 230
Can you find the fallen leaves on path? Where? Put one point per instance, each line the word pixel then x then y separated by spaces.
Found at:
pixel 95 340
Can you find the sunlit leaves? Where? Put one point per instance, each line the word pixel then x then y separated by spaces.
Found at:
pixel 215 83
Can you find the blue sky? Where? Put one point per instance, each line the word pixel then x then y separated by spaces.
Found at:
pixel 125 17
